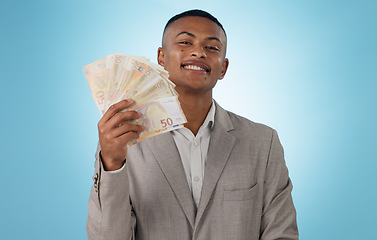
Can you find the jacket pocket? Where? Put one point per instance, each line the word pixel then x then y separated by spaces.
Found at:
pixel 240 195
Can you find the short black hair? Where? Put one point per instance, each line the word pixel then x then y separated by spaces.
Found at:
pixel 194 13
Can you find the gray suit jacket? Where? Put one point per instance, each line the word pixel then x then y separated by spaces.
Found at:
pixel 246 192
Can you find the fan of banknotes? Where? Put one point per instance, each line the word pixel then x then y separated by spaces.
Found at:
pixel 118 76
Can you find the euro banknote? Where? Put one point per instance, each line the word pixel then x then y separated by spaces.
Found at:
pixel 118 76
pixel 159 116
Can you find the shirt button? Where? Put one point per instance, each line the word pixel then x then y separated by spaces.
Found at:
pixel 195 143
pixel 196 179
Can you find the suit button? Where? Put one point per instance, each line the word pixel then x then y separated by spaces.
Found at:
pixel 95 179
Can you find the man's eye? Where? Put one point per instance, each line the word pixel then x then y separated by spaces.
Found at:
pixel 184 42
pixel 213 48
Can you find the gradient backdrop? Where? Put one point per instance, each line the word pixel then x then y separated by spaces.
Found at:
pixel 305 68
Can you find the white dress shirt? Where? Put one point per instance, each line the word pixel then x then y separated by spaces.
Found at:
pixel 193 151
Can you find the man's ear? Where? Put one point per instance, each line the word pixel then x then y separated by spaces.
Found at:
pixel 224 68
pixel 161 56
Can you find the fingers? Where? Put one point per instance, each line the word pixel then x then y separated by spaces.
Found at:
pixel 122 118
pixel 127 137
pixel 126 128
pixel 114 109
pixel 119 125
pixel 115 123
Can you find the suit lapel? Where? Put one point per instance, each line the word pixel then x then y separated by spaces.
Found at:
pixel 221 145
pixel 167 156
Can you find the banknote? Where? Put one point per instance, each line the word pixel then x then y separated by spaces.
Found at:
pixel 119 76
pixel 159 89
pixel 158 117
pixel 160 114
pixel 96 75
pixel 146 135
pixel 114 62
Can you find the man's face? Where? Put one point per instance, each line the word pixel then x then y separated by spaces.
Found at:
pixel 193 51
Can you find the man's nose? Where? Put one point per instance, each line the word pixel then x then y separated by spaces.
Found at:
pixel 198 51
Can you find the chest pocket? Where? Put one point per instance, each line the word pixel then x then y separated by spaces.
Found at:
pixel 240 195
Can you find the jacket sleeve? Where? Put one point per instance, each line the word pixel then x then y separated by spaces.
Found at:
pixel 110 214
pixel 279 214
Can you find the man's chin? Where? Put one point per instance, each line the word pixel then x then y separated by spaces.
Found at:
pixel 194 88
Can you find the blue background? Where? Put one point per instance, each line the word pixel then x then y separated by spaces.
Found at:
pixel 305 68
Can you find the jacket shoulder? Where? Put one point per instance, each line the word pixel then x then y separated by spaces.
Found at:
pixel 243 124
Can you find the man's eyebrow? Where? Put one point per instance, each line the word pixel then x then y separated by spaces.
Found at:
pixel 214 38
pixel 190 34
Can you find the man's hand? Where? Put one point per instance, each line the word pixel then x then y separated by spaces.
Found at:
pixel 114 134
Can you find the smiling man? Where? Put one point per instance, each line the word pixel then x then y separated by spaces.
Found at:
pixel 220 177
pixel 193 51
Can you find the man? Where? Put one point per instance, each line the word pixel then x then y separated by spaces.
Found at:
pixel 220 177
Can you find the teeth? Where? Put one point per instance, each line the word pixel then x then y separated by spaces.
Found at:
pixel 193 67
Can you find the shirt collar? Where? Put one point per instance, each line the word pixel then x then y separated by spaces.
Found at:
pixel 210 119
pixel 206 127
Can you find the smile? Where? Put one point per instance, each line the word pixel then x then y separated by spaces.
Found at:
pixel 196 66
pixel 193 67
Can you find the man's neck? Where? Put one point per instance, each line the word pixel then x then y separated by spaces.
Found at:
pixel 195 108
